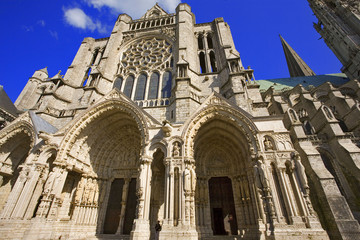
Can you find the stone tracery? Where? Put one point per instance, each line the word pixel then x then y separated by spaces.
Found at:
pixel 151 53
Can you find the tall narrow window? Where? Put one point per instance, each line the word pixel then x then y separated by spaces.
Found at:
pixel 86 77
pixel 308 128
pixel 213 62
pixel 129 86
pixel 171 62
pixel 200 42
pixel 166 85
pixel 202 62
pixel 209 41
pixel 154 86
pixel 140 87
pixel 96 52
pixel 118 83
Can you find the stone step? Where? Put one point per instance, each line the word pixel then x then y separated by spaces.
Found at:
pixel 222 237
pixel 109 236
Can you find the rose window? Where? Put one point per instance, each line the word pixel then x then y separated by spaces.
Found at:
pixel 147 54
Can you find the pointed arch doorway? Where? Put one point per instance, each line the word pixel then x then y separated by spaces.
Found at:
pixel 225 200
pixel 223 216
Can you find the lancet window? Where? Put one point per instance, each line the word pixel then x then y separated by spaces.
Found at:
pixel 147 66
pixel 206 53
pixel 118 83
pixel 166 85
pixel 154 86
pixel 140 87
pixel 129 85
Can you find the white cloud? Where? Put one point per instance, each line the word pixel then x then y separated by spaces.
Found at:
pixel 28 28
pixel 135 8
pixel 77 18
pixel 41 23
pixel 54 34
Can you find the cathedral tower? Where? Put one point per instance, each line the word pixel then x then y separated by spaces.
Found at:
pixel 160 121
pixel 339 26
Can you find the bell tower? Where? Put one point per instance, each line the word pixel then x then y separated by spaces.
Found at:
pixel 339 26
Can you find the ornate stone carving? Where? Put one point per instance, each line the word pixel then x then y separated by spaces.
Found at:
pixel 187 180
pixel 176 152
pixel 268 144
pixel 147 53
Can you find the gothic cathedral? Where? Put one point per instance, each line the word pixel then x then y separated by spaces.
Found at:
pixel 160 121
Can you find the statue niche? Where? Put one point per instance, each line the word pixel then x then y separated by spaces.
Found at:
pixel 176 151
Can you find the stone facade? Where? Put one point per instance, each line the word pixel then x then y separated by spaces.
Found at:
pixel 161 122
pixel 339 26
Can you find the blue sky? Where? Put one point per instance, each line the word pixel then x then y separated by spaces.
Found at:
pixel 39 33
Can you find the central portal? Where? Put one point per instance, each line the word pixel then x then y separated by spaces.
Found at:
pixel 223 217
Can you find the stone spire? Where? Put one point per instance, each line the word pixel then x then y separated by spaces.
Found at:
pixel 44 70
pixel 297 66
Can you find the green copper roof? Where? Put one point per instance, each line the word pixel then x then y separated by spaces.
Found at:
pixel 280 84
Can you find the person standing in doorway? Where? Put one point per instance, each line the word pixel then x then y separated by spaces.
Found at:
pixel 157 230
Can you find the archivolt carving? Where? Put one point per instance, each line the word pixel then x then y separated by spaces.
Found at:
pixel 158 143
pixel 245 125
pixel 109 106
pixel 14 129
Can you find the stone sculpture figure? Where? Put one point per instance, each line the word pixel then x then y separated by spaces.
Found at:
pixel 268 144
pixel 301 171
pixel 49 182
pixel 261 170
pixel 187 180
pixel 79 191
pixel 176 149
pixel 193 180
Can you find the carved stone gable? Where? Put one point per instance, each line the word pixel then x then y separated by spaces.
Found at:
pixel 155 12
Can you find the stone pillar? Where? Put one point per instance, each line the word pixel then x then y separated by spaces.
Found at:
pixel 167 192
pixel 297 192
pixel 189 186
pixel 171 196
pixel 285 194
pixel 123 205
pixel 36 195
pixel 141 228
pixel 264 193
pixel 239 203
pixel 60 175
pixel 187 193
pixel 103 202
pixel 27 192
pixel 207 211
pixel 15 193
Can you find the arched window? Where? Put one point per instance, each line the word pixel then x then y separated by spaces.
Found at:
pixel 86 77
pixel 209 41
pixel 118 83
pixel 213 62
pixel 202 62
pixel 166 85
pixel 140 87
pixel 95 53
pixel 200 42
pixel 171 62
pixel 308 128
pixel 154 86
pixel 129 86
